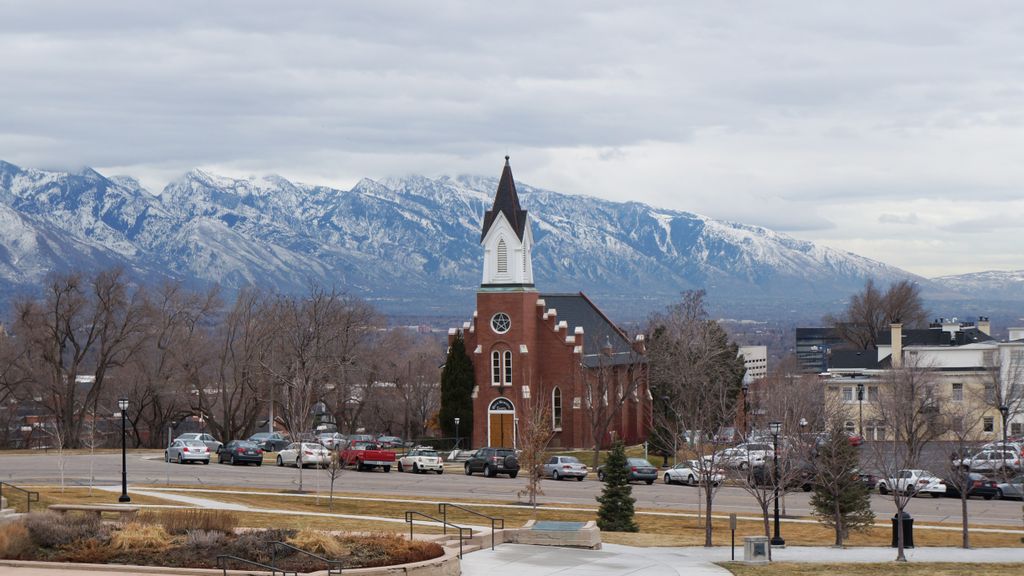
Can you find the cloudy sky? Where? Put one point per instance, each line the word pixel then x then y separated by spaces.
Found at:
pixel 893 129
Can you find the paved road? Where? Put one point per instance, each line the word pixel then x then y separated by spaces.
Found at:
pixel 149 468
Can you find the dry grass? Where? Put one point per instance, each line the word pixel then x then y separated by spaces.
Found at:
pixel 184 520
pixel 80 495
pixel 319 542
pixel 14 540
pixel 655 530
pixel 140 536
pixel 879 569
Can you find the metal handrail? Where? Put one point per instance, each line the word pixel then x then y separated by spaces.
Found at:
pixel 30 496
pixel 442 507
pixel 276 543
pixel 274 570
pixel 410 513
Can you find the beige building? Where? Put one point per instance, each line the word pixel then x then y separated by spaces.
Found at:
pixel 755 360
pixel 969 370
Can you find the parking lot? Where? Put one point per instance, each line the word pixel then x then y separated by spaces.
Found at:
pixel 149 468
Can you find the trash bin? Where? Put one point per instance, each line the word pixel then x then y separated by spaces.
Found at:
pixel 908 530
pixel 755 549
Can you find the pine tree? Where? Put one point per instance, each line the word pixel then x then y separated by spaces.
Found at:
pixel 456 391
pixel 841 501
pixel 616 511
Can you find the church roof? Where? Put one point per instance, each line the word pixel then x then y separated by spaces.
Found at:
pixel 598 331
pixel 506 202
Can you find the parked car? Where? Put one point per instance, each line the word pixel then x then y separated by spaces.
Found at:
pixel 977 485
pixel 991 461
pixel 367 456
pixel 558 467
pixel 421 460
pixel 270 441
pixel 736 458
pixel 353 438
pixel 304 454
pixel 332 440
pixel 913 482
pixel 870 480
pixel 1014 488
pixel 802 476
pixel 182 451
pixel 1011 445
pixel 493 461
pixel 688 473
pixel 240 452
pixel 764 451
pixel 640 470
pixel 211 443
pixel 390 442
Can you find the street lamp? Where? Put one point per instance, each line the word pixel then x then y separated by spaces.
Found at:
pixel 775 428
pixel 1004 410
pixel 860 408
pixel 457 419
pixel 745 387
pixel 123 405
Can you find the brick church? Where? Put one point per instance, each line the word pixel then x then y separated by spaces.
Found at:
pixel 559 349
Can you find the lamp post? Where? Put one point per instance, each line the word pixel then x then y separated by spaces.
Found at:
pixel 745 388
pixel 457 420
pixel 860 409
pixel 1004 411
pixel 123 405
pixel 775 428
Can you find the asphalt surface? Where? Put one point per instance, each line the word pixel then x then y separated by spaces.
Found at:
pixel 149 468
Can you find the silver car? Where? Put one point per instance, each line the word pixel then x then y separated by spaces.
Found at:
pixel 182 451
pixel 211 443
pixel 1012 489
pixel 559 467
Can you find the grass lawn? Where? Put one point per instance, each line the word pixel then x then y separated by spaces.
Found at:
pixel 75 495
pixel 655 530
pixel 880 569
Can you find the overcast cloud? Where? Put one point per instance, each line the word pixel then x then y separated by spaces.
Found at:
pixel 893 130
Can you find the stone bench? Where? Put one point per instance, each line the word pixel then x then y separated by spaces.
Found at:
pixel 127 512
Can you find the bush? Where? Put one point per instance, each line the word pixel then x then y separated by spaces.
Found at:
pixel 14 540
pixel 139 536
pixel 52 530
pixel 181 520
pixel 91 551
pixel 203 538
pixel 320 543
pixel 255 545
pixel 386 549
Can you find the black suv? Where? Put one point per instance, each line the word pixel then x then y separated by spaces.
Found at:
pixel 493 461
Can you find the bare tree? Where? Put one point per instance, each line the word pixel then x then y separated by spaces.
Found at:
pixel 964 420
pixel 534 437
pixel 609 380
pixel 80 327
pixel 872 310
pixel 908 404
pixel 695 372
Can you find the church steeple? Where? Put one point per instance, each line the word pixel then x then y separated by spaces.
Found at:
pixel 506 202
pixel 507 238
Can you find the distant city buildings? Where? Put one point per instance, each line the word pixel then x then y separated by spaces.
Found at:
pixel 755 360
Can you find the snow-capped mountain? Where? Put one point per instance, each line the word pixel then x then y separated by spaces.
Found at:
pixel 410 244
pixel 988 285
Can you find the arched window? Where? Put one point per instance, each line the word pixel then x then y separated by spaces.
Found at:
pixel 508 367
pixel 502 257
pixel 495 368
pixel 556 408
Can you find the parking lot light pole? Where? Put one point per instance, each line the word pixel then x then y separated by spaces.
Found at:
pixel 123 405
pixel 457 439
pixel 860 409
pixel 1004 411
pixel 775 428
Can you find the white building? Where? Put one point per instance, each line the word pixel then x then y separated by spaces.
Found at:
pixel 755 360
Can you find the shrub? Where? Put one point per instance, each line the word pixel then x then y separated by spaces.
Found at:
pixel 139 536
pixel 91 551
pixel 387 549
pixel 181 520
pixel 203 538
pixel 14 540
pixel 320 543
pixel 52 530
pixel 254 545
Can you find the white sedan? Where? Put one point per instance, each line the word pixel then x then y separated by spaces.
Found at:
pixel 912 483
pixel 688 473
pixel 421 460
pixel 304 454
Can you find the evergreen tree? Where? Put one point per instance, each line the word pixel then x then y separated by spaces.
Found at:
pixel 841 501
pixel 456 392
pixel 616 511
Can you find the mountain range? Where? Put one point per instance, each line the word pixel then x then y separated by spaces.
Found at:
pixel 411 245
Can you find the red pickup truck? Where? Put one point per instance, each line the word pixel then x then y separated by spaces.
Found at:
pixel 367 456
